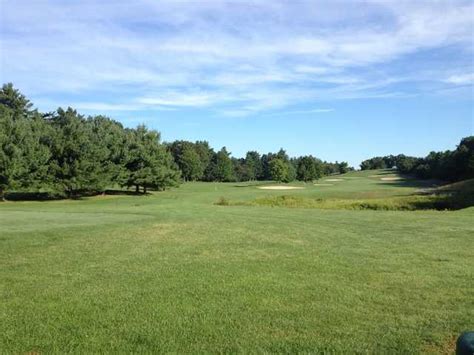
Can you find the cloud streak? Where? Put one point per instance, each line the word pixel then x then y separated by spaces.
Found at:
pixel 232 57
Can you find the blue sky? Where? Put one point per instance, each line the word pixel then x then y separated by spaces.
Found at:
pixel 341 80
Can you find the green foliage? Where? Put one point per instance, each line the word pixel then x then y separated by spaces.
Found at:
pixel 191 159
pixel 148 163
pixel 308 169
pixel 279 170
pixel 449 165
pixel 15 101
pixel 110 138
pixel 76 154
pixel 241 172
pixel 254 165
pixel 221 167
pixel 68 154
pixel 23 153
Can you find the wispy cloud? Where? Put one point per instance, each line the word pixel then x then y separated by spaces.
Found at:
pixel 302 112
pixel 461 79
pixel 231 57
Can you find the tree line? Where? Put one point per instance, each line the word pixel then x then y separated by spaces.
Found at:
pixel 450 165
pixel 64 153
pixel 67 154
pixel 198 162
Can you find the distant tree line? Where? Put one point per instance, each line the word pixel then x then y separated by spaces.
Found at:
pixel 67 154
pixel 451 165
pixel 199 162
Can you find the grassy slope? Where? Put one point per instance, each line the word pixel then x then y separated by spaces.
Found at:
pixel 173 272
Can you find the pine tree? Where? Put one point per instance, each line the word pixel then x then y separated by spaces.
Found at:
pixel 148 163
pixel 76 156
pixel 254 165
pixel 23 152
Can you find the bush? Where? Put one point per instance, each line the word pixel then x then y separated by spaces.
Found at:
pixel 223 202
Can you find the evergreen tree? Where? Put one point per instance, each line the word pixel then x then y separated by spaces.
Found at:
pixel 110 140
pixel 148 163
pixel 76 156
pixel 241 172
pixel 17 102
pixel 23 154
pixel 10 153
pixel 253 165
pixel 265 163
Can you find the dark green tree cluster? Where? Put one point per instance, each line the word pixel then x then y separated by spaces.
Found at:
pixel 68 154
pixel 387 162
pixel 451 165
pixel 197 161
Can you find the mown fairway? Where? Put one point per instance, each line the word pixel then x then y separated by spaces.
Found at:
pixel 172 271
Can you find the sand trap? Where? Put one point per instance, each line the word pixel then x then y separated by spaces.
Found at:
pixel 323 184
pixel 334 180
pixel 280 187
pixel 374 176
pixel 395 178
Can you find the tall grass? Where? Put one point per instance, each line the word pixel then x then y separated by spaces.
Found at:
pixel 448 201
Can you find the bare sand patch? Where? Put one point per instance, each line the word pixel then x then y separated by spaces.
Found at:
pixel 393 178
pixel 280 187
pixel 374 176
pixel 323 184
pixel 334 180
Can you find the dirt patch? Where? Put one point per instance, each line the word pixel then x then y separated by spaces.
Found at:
pixel 280 187
pixel 334 180
pixel 393 178
pixel 323 184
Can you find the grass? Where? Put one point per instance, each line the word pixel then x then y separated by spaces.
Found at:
pixel 174 272
pixel 411 203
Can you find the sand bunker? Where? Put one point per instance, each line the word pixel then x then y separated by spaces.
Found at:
pixel 323 184
pixel 334 180
pixel 374 176
pixel 394 178
pixel 280 187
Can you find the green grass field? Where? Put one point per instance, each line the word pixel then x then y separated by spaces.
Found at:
pixel 174 272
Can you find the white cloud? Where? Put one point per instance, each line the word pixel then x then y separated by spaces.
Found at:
pixel 236 57
pixel 180 99
pixel 303 112
pixel 461 79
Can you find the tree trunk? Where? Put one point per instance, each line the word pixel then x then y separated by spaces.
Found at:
pixel 2 195
pixel 137 189
pixel 144 189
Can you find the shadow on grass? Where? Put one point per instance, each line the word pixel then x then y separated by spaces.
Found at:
pixel 125 193
pixel 32 196
pixel 411 182
pixel 78 195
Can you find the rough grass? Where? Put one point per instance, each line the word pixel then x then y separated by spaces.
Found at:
pixel 172 272
pixel 391 204
pixel 447 197
pixel 405 203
